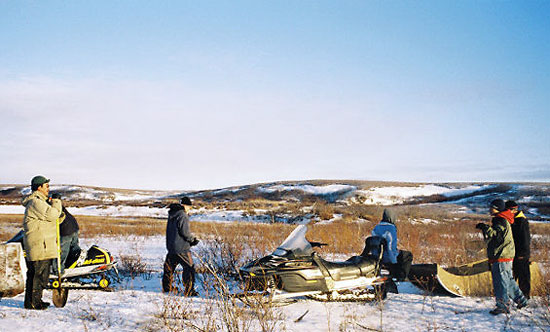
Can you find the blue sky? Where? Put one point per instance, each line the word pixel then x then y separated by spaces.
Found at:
pixel 207 94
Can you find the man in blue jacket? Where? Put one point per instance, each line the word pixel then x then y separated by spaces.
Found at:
pixel 179 241
pixel 398 261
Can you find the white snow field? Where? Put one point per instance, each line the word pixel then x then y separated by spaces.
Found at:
pixel 139 305
pixel 396 195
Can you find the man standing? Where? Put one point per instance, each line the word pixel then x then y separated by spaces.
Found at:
pixel 399 261
pixel 500 251
pixel 522 242
pixel 40 239
pixel 68 230
pixel 179 241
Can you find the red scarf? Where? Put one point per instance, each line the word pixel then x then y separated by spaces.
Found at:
pixel 508 215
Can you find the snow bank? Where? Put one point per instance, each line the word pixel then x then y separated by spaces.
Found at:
pixel 225 216
pixel 145 211
pixel 12 209
pixel 104 211
pixel 398 195
pixel 120 211
pixel 332 189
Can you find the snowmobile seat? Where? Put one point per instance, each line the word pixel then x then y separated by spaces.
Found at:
pixel 374 246
pixel 351 268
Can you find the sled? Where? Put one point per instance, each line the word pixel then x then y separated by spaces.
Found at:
pixel 473 279
pixel 12 269
pixel 92 270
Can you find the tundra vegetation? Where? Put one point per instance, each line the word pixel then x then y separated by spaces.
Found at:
pixel 434 234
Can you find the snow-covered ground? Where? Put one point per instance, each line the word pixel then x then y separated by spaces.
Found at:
pixel 221 216
pixel 101 210
pixel 310 189
pixel 398 194
pixel 139 304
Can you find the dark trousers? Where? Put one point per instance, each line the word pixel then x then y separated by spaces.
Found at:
pixel 37 279
pixel 522 275
pixel 401 269
pixel 188 275
pixel 69 248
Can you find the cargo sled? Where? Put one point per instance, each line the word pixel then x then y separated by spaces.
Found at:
pixel 90 270
pixel 473 279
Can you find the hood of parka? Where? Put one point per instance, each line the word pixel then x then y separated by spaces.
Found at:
pixel 389 216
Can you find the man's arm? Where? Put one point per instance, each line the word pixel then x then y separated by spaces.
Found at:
pixel 183 228
pixel 497 230
pixel 50 211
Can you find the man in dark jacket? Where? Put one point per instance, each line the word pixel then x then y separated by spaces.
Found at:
pixel 68 230
pixel 179 241
pixel 522 242
pixel 501 251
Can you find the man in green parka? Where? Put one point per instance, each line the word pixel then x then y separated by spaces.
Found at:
pixel 501 251
pixel 40 240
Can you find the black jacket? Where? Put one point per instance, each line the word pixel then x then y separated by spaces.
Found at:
pixel 69 225
pixel 178 234
pixel 522 236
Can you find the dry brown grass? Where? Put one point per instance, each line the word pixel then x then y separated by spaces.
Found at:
pixel 10 224
pixel 448 243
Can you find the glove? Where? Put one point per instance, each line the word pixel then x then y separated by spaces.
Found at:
pixel 194 242
pixel 482 226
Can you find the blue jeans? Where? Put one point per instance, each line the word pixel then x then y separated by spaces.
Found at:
pixel 504 285
pixel 69 246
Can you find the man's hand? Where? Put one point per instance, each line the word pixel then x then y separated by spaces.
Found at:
pixel 194 242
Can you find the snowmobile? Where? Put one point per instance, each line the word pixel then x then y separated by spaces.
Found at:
pixel 91 269
pixel 294 270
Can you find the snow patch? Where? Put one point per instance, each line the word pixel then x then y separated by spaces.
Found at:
pixel 12 209
pixel 400 194
pixel 424 221
pixel 120 211
pixel 331 189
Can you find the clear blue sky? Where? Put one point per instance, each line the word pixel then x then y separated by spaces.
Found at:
pixel 207 94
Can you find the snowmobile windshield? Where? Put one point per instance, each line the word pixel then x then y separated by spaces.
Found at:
pixel 295 244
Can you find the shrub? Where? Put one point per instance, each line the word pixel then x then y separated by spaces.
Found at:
pixel 323 210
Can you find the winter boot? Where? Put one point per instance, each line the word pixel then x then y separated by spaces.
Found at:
pixel 499 310
pixel 522 304
pixel 36 301
pixel 28 299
